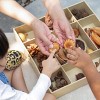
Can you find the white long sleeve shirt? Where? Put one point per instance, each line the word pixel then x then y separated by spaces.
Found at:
pixel 37 93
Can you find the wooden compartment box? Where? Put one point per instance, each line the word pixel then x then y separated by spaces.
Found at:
pixel 69 73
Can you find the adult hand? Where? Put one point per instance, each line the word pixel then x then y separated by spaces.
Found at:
pixel 43 36
pixel 61 25
pixel 48 67
pixel 63 29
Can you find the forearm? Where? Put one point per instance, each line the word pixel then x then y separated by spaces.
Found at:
pixel 93 78
pixel 37 93
pixel 14 10
pixel 54 8
pixel 41 87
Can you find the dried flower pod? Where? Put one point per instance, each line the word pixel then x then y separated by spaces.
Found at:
pixel 88 31
pixel 88 50
pixel 53 86
pixel 79 13
pixel 74 11
pixel 55 46
pixel 59 85
pixel 33 49
pixel 69 43
pixel 40 69
pixel 40 57
pixel 83 12
pixel 48 21
pixel 52 79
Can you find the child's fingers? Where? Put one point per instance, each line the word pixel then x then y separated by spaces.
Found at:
pixel 52 54
pixel 72 52
pixel 71 62
pixel 73 48
pixel 72 57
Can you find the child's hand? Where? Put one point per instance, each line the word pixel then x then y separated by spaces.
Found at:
pixel 79 58
pixel 50 65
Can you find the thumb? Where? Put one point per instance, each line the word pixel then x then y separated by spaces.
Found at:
pixel 52 54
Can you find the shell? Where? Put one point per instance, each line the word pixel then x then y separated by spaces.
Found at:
pixel 14 59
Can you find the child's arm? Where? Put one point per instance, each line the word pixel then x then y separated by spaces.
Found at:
pixel 82 60
pixel 44 81
pixel 40 89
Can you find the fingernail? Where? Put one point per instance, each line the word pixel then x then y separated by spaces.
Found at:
pixel 57 40
pixel 79 47
pixel 51 46
pixel 69 37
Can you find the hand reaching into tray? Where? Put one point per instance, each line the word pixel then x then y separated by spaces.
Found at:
pixel 50 65
pixel 61 26
pixel 43 36
pixel 82 60
pixel 76 55
pixel 63 30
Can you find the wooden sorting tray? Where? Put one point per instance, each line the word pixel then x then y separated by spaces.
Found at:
pixel 69 72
